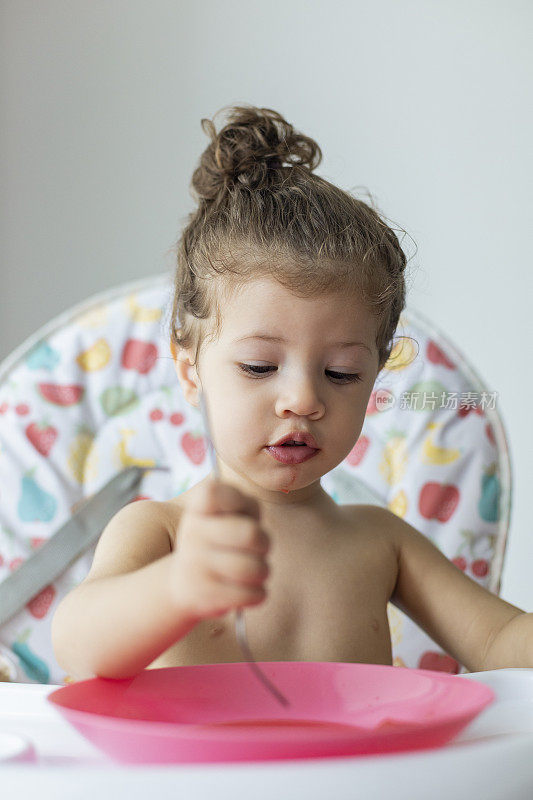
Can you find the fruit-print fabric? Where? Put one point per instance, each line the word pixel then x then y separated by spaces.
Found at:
pixel 95 391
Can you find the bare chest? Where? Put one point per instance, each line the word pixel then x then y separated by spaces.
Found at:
pixel 325 603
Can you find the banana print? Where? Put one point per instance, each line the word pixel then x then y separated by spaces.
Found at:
pixel 432 454
pixel 139 313
pixel 82 460
pixel 124 458
pixel 395 456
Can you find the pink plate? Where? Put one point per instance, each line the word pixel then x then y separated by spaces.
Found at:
pixel 222 712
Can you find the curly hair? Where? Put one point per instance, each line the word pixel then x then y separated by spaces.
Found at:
pixel 263 212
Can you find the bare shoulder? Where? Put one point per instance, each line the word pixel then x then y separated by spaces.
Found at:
pixel 173 511
pixel 137 534
pixel 378 521
pixel 375 533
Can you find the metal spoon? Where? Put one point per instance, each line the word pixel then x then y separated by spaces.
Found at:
pixel 240 627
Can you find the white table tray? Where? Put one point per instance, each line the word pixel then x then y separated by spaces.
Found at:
pixel 491 759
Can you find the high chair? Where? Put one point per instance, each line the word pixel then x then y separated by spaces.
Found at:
pixel 95 391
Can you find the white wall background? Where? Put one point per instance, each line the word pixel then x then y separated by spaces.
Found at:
pixel 428 104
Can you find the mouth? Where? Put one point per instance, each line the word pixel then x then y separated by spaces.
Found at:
pixel 294 448
pixel 296 439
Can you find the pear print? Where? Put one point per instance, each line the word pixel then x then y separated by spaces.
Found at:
pixel 42 357
pixel 34 667
pixel 118 400
pixel 35 504
pixel 488 505
pixel 398 505
pixel 425 395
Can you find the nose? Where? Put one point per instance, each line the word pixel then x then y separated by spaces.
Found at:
pixel 299 395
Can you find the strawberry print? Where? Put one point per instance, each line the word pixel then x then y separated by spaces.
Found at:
pixel 355 456
pixel 42 437
pixel 194 446
pixel 438 662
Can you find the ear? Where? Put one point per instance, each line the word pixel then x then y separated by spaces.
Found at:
pixel 187 374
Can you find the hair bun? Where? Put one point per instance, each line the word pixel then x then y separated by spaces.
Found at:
pixel 251 149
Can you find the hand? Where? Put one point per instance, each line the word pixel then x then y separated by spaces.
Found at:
pixel 220 552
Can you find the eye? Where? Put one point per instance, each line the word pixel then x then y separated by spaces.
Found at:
pixel 346 377
pixel 342 377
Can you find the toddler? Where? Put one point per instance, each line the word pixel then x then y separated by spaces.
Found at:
pixel 287 295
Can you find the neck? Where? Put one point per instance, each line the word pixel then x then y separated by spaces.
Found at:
pixel 283 501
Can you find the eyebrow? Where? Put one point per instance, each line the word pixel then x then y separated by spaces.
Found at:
pixel 266 337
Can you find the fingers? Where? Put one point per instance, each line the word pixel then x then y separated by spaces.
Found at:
pixel 238 533
pixel 237 568
pixel 217 497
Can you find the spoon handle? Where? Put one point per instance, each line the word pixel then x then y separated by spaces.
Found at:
pixel 240 626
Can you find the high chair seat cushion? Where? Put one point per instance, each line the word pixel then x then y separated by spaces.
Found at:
pixel 95 391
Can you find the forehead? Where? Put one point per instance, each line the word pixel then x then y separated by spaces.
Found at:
pixel 263 305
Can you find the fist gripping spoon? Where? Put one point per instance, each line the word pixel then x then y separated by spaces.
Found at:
pixel 240 627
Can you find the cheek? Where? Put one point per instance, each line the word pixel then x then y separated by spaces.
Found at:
pixel 237 419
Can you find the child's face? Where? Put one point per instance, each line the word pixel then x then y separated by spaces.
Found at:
pixel 297 392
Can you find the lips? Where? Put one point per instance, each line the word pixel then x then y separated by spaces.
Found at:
pixel 292 455
pixel 294 448
pixel 299 437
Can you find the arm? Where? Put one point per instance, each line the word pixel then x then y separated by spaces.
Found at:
pixel 123 614
pixel 479 629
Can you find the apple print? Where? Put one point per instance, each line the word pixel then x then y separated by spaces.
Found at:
pixel 436 356
pixel 438 662
pixel 140 356
pixel 438 501
pixel 42 437
pixel 357 452
pixel 194 446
